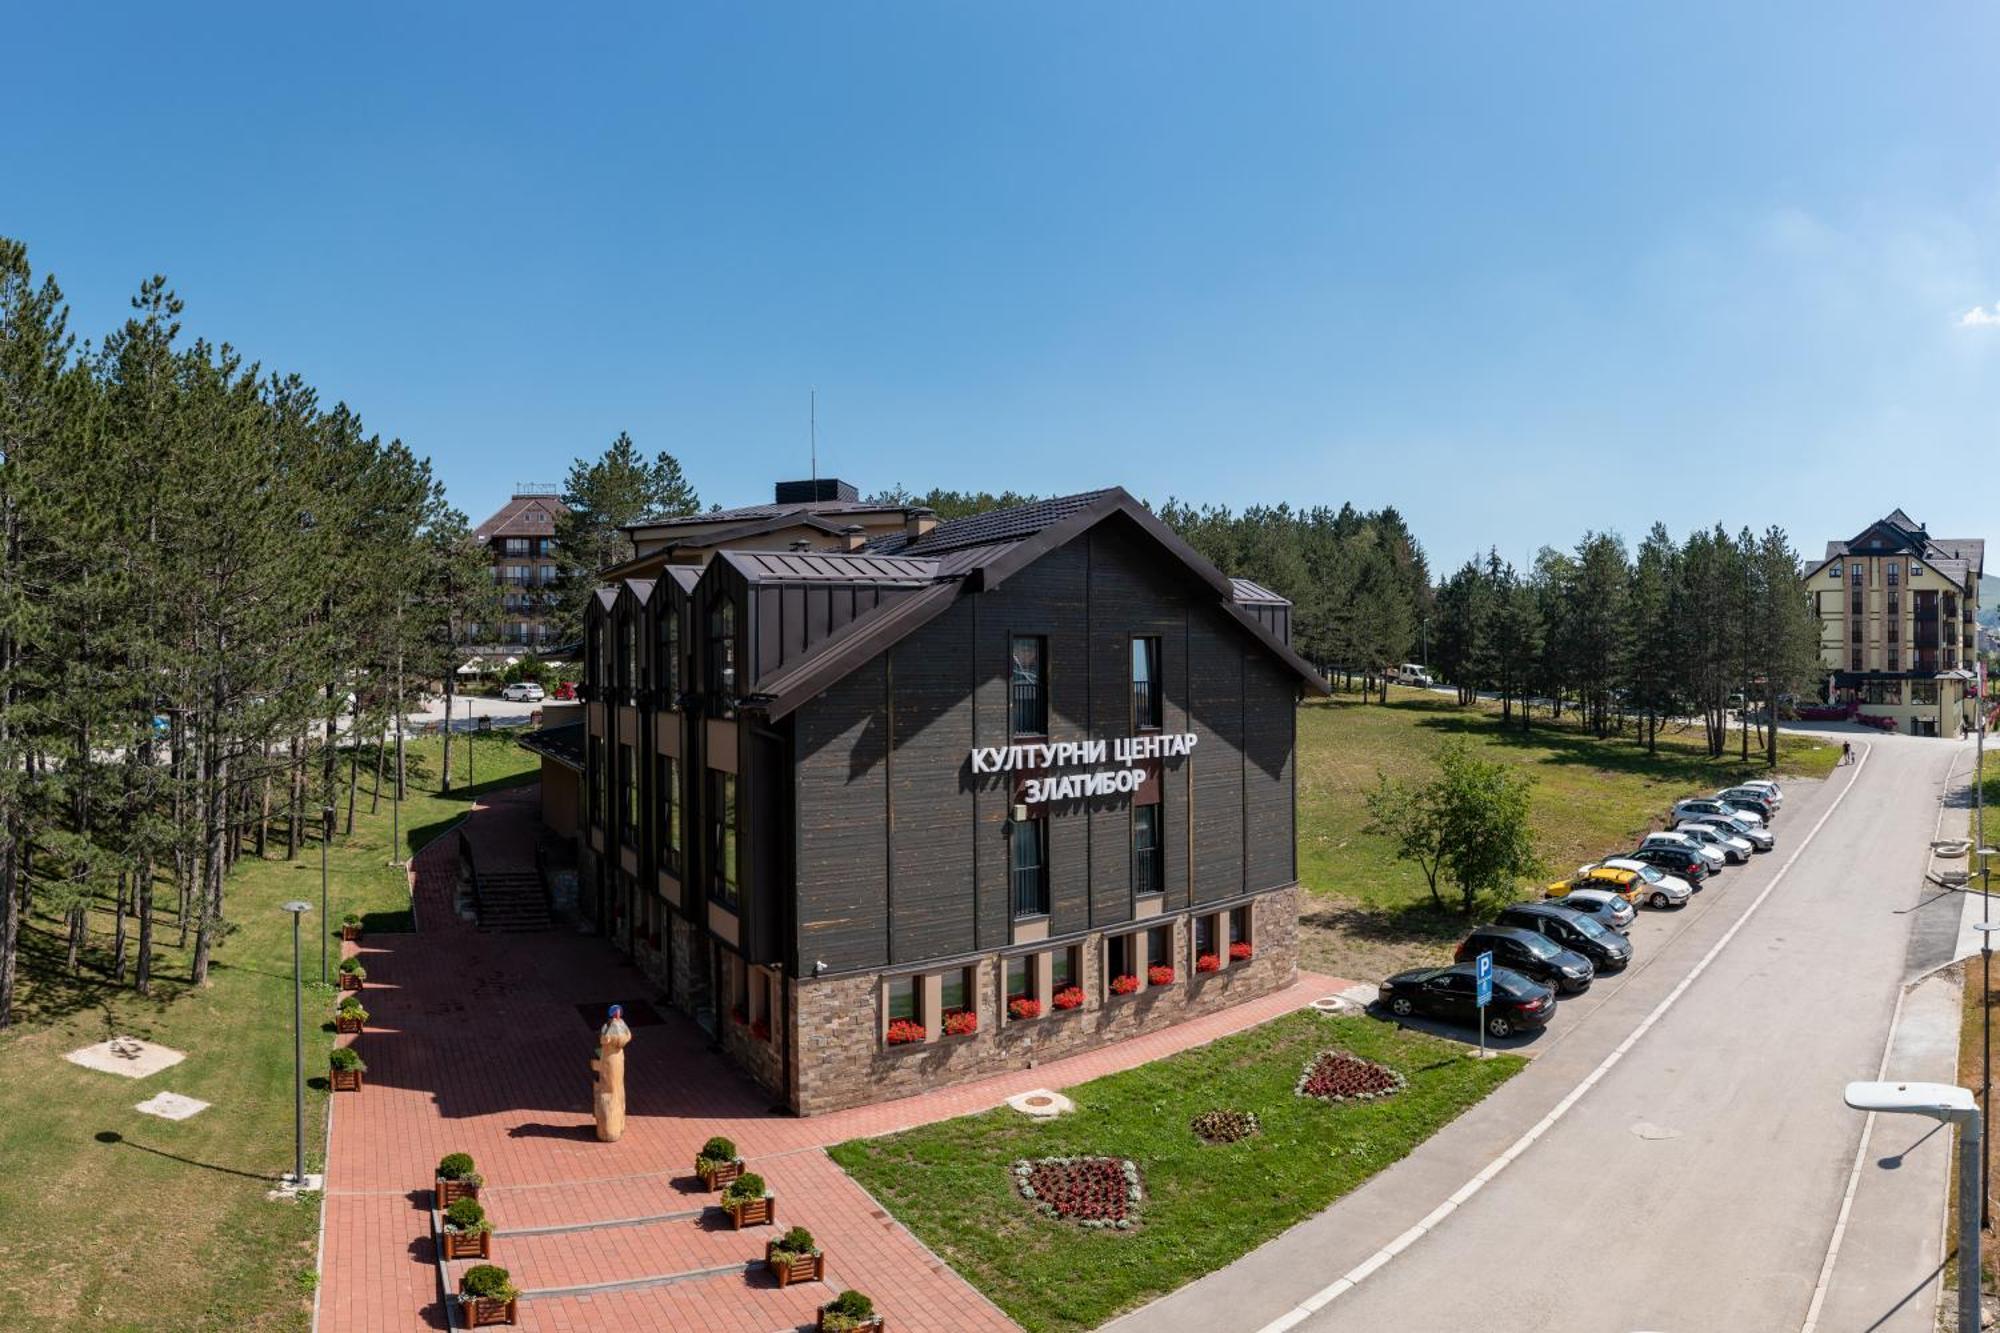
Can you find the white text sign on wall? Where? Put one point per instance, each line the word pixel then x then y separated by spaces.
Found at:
pixel 1037 757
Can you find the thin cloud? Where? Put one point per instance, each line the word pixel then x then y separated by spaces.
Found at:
pixel 1981 317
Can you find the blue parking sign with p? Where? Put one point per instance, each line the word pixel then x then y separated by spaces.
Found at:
pixel 1482 971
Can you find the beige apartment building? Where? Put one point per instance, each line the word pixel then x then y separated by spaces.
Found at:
pixel 1896 608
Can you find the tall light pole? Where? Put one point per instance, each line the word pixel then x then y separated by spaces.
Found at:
pixel 1952 1106
pixel 396 804
pixel 298 910
pixel 325 921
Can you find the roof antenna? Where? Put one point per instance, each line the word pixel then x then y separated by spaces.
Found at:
pixel 812 417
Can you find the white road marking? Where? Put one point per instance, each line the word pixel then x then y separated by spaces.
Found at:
pixel 1347 1281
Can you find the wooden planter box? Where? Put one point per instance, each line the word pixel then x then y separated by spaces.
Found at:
pixel 753 1212
pixel 342 1023
pixel 345 1080
pixel 348 981
pixel 350 932
pixel 875 1325
pixel 716 1177
pixel 805 1268
pixel 449 1192
pixel 467 1244
pixel 483 1310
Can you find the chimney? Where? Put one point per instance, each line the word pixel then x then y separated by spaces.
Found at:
pixel 852 537
pixel 918 521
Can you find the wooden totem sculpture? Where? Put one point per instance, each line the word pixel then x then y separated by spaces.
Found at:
pixel 607 1070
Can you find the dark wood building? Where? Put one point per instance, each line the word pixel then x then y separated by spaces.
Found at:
pixel 901 804
pixel 521 538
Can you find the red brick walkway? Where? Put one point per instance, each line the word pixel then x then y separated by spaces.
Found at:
pixel 476 1044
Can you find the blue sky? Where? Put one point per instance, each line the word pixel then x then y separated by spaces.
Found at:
pixel 1518 270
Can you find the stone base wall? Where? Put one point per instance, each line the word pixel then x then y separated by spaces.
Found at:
pixel 763 1060
pixel 836 1023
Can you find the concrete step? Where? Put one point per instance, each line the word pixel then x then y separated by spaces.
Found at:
pixel 626 1253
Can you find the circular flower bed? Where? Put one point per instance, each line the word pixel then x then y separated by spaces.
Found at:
pixel 1224 1126
pixel 1339 1076
pixel 1095 1191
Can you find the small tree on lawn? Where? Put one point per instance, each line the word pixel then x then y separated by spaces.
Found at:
pixel 1468 824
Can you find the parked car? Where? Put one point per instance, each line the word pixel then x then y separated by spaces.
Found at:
pixel 1759 837
pixel 1734 849
pixel 1519 1004
pixel 1621 882
pixel 1661 888
pixel 1607 950
pixel 1749 798
pixel 1772 791
pixel 1530 955
pixel 1697 808
pixel 523 691
pixel 1677 858
pixel 1599 904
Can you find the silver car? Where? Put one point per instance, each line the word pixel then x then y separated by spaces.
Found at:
pixel 1702 809
pixel 1715 835
pixel 1662 889
pixel 1601 905
pixel 1711 855
pixel 1760 838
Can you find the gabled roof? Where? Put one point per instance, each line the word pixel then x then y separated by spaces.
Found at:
pixel 562 743
pixel 829 566
pixel 980 553
pixel 746 513
pixel 517 518
pixel 1256 594
pixel 1952 557
pixel 721 534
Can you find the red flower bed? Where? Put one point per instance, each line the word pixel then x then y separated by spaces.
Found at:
pixel 1208 962
pixel 1160 976
pixel 1069 997
pixel 961 1023
pixel 1096 1191
pixel 1338 1076
pixel 1124 985
pixel 1239 952
pixel 902 1032
pixel 761 1030
pixel 1027 1008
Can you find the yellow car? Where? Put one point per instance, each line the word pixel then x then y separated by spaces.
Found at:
pixel 1627 884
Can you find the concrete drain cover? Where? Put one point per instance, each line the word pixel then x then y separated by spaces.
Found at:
pixel 1041 1104
pixel 126 1055
pixel 171 1106
pixel 1647 1130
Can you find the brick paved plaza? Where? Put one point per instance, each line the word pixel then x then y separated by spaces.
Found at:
pixel 476 1044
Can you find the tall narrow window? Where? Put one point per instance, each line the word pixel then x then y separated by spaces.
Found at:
pixel 667 660
pixel 628 656
pixel 1895 571
pixel 722 839
pixel 628 779
pixel 1028 857
pixel 1019 981
pixel 1854 573
pixel 1065 969
pixel 955 992
pixel 600 807
pixel 1146 684
pixel 667 772
pixel 1204 935
pixel 722 650
pixel 1028 687
pixel 1148 874
pixel 598 670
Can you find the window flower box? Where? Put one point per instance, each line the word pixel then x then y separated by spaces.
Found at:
pixel 795 1258
pixel 1125 985
pixel 456 1179
pixel 849 1312
pixel 761 1030
pixel 717 1163
pixel 487 1296
pixel 961 1023
pixel 350 927
pixel 1208 962
pixel 1159 975
pixel 350 1017
pixel 748 1203
pixel 1240 952
pixel 344 1070
pixel 1023 1008
pixel 905 1032
pixel 1068 998
pixel 466 1233
pixel 352 974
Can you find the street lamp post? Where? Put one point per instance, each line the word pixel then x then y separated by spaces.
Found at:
pixel 1952 1106
pixel 325 837
pixel 298 910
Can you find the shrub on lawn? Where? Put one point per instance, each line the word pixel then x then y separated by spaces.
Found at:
pixel 1222 1126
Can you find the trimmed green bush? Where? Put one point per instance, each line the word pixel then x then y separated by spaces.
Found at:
pixel 798 1241
pixel 718 1151
pixel 351 1008
pixel 466 1215
pixel 351 919
pixel 455 1166
pixel 489 1281
pixel 352 967
pixel 852 1304
pixel 749 1185
pixel 345 1058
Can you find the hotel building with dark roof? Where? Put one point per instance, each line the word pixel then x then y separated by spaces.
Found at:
pixel 885 802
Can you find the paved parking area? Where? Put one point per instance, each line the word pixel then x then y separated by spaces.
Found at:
pixel 475 1044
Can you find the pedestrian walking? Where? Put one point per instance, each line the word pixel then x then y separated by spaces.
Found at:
pixel 1846 753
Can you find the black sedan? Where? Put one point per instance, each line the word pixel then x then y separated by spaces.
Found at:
pixel 1449 993
pixel 1685 862
pixel 1607 950
pixel 1531 955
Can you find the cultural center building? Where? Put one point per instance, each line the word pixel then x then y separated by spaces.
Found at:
pixel 885 802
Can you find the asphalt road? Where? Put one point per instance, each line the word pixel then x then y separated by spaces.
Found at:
pixel 1699 1152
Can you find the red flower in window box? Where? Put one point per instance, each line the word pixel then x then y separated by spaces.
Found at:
pixel 1124 985
pixel 961 1023
pixel 904 1031
pixel 737 1015
pixel 1069 997
pixel 1161 975
pixel 1239 952
pixel 1027 1008
pixel 1208 962
pixel 761 1030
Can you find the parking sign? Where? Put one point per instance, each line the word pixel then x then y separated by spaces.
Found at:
pixel 1482 971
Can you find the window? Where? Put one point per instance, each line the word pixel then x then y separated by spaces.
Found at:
pixel 1239 925
pixel 1028 867
pixel 600 784
pixel 667 658
pixel 1018 981
pixel 1923 691
pixel 667 773
pixel 722 839
pixel 1834 571
pixel 1121 960
pixel 906 999
pixel 1882 692
pixel 1894 572
pixel 1916 569
pixel 1028 687
pixel 722 651
pixel 1895 659
pixel 1148 868
pixel 598 674
pixel 628 656
pixel 628 789
pixel 1854 632
pixel 1160 947
pixel 1065 969
pixel 1855 665
pixel 516 546
pixel 1204 936
pixel 1895 604
pixel 955 992
pixel 1146 684
pixel 1854 574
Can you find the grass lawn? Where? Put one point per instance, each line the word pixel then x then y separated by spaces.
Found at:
pixel 1367 914
pixel 113 1220
pixel 1204 1204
